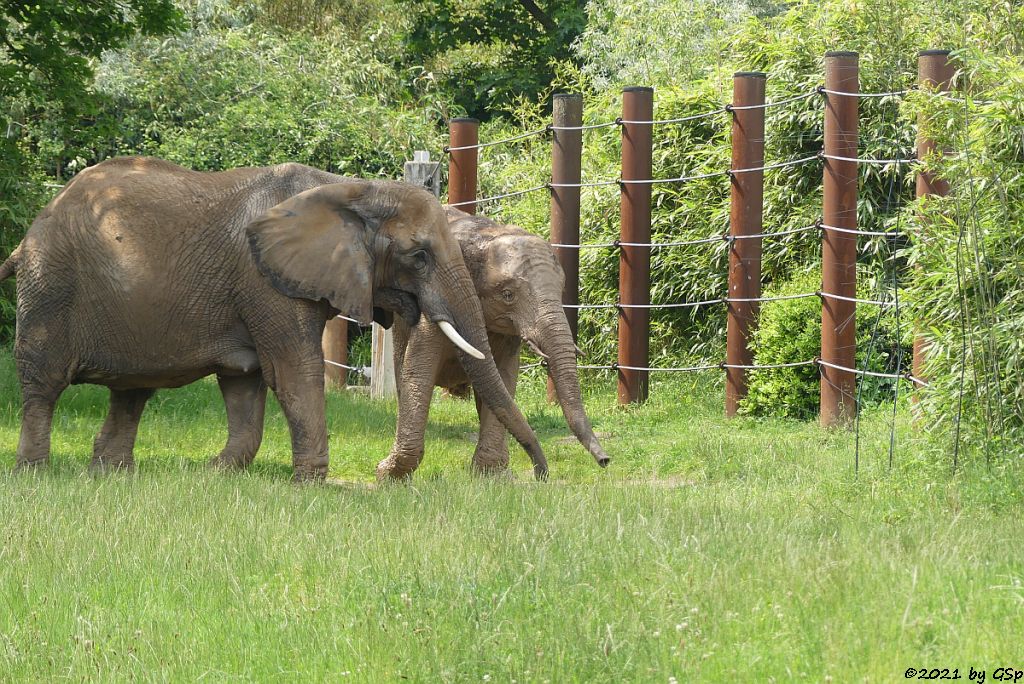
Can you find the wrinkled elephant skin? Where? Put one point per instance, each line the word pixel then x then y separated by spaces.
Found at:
pixel 519 283
pixel 141 275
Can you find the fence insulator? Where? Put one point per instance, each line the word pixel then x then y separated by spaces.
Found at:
pixel 839 249
pixel 566 168
pixel 935 71
pixel 335 345
pixel 635 262
pixel 745 219
pixel 463 136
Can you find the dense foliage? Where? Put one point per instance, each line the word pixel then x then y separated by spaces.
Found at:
pixel 789 47
pixel 355 85
pixel 486 54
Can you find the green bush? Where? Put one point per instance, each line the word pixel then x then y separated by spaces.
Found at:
pixel 790 331
pixel 968 284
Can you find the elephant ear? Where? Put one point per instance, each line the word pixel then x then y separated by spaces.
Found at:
pixel 314 246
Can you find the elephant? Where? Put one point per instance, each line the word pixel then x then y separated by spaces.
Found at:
pixel 142 275
pixel 519 283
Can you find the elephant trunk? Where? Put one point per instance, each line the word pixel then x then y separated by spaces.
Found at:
pixel 555 340
pixel 464 307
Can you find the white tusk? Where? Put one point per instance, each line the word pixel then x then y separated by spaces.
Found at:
pixel 458 340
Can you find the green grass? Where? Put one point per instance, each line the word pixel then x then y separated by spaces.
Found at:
pixel 710 550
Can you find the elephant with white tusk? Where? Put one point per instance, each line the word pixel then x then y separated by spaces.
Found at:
pixel 519 283
pixel 141 274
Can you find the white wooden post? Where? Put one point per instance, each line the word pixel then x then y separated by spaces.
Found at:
pixel 419 171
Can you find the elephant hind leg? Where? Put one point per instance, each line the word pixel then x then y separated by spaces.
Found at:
pixel 245 399
pixel 36 423
pixel 115 444
pixel 42 381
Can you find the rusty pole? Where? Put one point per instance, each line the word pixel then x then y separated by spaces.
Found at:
pixel 745 214
pixel 335 345
pixel 635 262
pixel 566 161
pixel 934 71
pixel 462 163
pixel 839 250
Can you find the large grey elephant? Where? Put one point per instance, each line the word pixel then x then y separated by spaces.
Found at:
pixel 519 283
pixel 141 274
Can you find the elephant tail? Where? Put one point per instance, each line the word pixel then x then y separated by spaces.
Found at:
pixel 10 266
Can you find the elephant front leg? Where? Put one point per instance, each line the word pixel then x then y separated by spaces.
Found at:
pixel 115 444
pixel 418 364
pixel 245 399
pixel 491 455
pixel 299 388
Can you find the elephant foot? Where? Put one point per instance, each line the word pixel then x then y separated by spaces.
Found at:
pixel 395 469
pixel 226 460
pixel 27 465
pixel 106 463
pixel 313 474
pixel 492 467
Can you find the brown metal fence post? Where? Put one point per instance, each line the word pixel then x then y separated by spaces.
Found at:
pixel 935 70
pixel 839 250
pixel 566 161
pixel 335 345
pixel 462 162
pixel 635 262
pixel 745 216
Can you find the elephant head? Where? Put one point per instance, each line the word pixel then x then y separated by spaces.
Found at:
pixel 519 283
pixel 370 248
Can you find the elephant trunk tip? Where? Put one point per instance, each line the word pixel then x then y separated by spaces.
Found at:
pixel 540 472
pixel 599 454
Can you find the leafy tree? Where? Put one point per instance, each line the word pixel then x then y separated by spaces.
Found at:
pixel 488 53
pixel 48 49
pixel 47 45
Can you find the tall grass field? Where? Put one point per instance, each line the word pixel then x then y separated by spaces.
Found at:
pixel 710 550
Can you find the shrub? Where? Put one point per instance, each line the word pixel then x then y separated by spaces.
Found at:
pixel 790 331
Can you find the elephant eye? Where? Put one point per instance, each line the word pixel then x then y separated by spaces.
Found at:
pixel 419 259
pixel 508 295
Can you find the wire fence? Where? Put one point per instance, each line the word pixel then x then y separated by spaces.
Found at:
pixel 820 226
pixel 621 182
pixel 723 366
pixel 722 109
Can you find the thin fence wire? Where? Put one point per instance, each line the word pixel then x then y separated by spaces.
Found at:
pixel 857 300
pixel 777 165
pixel 503 141
pixel 865 233
pixel 776 298
pixel 586 127
pixel 681 179
pixel 842 93
pixel 681 119
pixel 354 369
pixel 866 160
pixel 776 103
pixel 495 198
pixel 767 366
pixel 585 184
pixel 788 231
pixel 734 300
pixel 725 237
